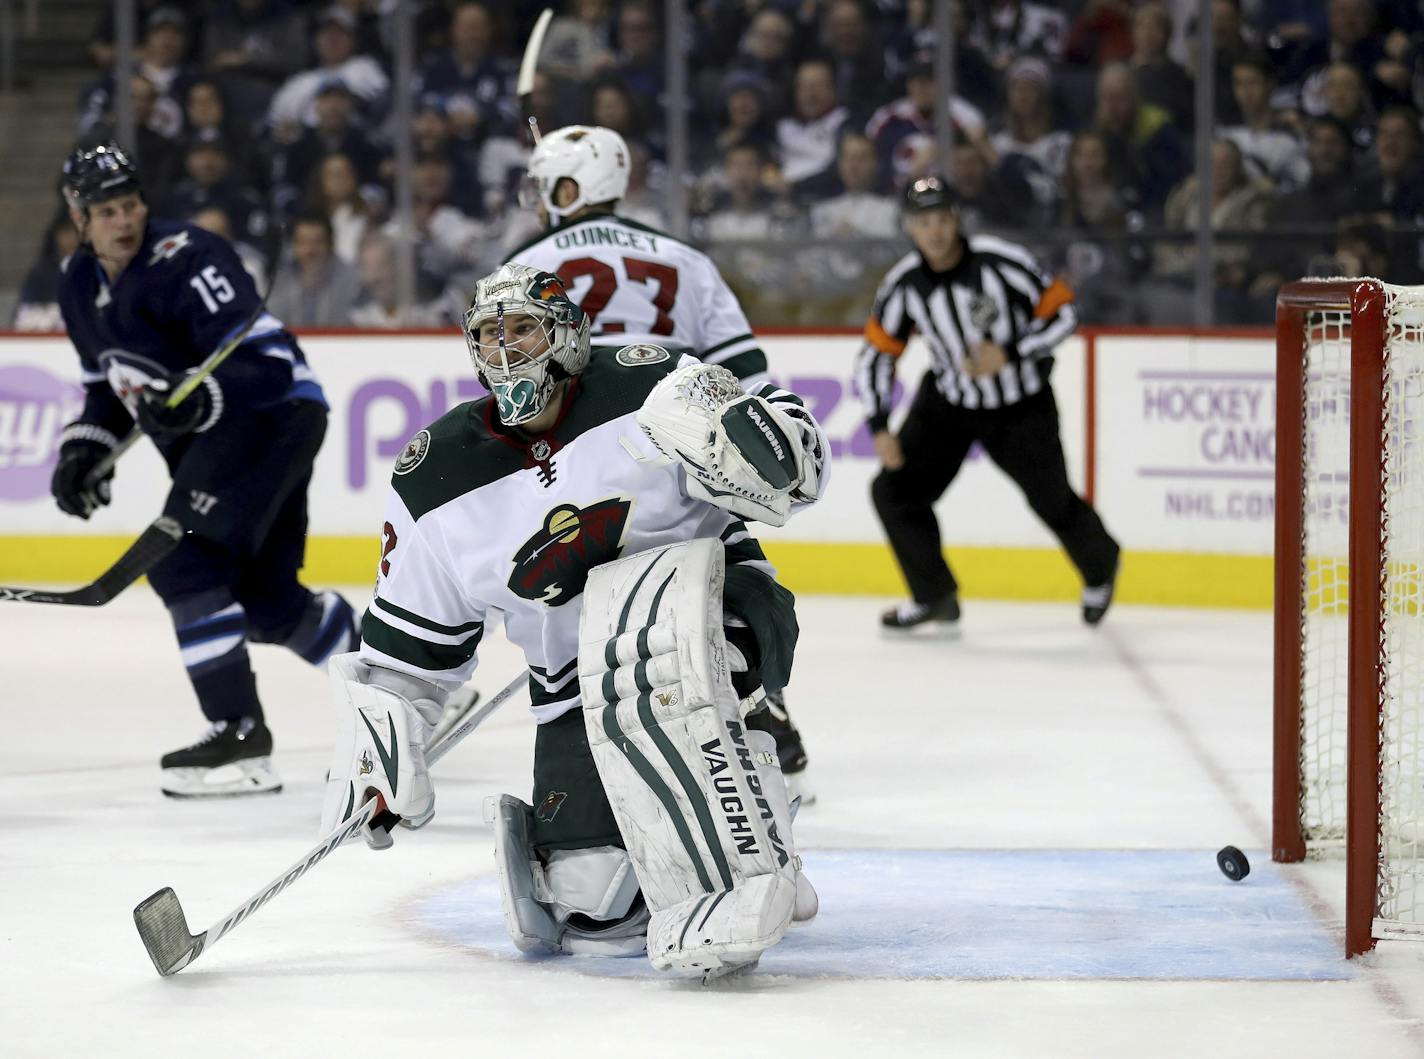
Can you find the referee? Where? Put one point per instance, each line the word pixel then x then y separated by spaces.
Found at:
pixel 991 318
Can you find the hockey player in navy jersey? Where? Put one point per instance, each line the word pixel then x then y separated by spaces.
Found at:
pixel 145 302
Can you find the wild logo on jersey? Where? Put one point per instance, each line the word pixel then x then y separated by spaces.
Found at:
pixel 552 566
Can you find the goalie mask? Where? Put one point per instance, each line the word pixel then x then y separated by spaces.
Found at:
pixel 524 334
pixel 593 157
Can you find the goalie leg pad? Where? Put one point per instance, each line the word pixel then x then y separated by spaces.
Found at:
pixel 585 902
pixel 681 776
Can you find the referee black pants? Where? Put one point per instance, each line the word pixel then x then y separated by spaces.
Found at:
pixel 1022 438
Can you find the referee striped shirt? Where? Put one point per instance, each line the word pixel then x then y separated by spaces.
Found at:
pixel 996 293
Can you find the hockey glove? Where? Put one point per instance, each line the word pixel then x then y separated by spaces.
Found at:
pixel 73 491
pixel 381 733
pixel 194 414
pixel 738 450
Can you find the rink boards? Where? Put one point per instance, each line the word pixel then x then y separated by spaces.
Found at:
pixel 1170 434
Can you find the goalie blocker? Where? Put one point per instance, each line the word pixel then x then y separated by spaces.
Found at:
pixel 710 873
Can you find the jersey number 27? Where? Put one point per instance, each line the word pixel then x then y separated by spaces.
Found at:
pixel 605 282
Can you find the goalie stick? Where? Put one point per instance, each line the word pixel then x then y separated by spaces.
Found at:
pixel 528 67
pixel 155 542
pixel 162 925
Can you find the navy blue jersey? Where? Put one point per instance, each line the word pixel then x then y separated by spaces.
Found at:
pixel 183 296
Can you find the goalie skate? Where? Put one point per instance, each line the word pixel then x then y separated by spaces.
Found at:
pixel 232 758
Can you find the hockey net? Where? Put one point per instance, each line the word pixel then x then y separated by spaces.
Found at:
pixel 1349 682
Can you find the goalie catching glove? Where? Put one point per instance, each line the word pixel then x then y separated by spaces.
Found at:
pixel 754 455
pixel 383 724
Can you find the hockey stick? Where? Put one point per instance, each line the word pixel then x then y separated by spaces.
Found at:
pixel 163 927
pixel 160 538
pixel 529 65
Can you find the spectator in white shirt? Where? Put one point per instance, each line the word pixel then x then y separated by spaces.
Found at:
pixel 1270 150
pixel 807 138
pixel 860 210
pixel 335 44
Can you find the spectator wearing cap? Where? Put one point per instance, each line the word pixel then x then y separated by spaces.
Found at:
pixel 448 241
pixel 903 131
pixel 806 138
pixel 768 49
pixel 163 63
pixel 1142 142
pixel 471 78
pixel 335 131
pixel 912 39
pixel 334 41
pixel 1160 81
pixel 1030 142
pixel 250 47
pixel 101 45
pixel 851 44
pixel 313 287
pixel 860 210
pixel 1270 147
pixel 210 181
pixel 745 117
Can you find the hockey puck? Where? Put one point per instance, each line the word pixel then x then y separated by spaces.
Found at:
pixel 1233 863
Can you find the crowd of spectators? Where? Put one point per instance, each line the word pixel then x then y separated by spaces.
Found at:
pixel 272 121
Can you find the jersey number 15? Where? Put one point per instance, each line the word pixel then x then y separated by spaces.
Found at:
pixel 212 286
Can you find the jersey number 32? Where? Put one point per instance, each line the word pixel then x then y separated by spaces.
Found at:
pixel 605 282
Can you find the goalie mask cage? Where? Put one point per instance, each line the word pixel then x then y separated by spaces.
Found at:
pixel 1349 595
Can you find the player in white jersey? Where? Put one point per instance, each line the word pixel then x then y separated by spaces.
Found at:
pixel 637 284
pixel 598 503
pixel 631 281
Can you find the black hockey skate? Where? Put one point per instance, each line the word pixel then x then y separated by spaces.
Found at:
pixel 232 758
pixel 774 720
pixel 1097 598
pixel 937 619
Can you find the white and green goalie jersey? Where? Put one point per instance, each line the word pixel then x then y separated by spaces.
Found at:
pixel 646 286
pixel 480 524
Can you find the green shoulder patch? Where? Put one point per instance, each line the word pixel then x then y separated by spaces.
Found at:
pixel 414 451
pixel 642 353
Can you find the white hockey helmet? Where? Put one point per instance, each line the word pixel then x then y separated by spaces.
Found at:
pixel 594 157
pixel 521 370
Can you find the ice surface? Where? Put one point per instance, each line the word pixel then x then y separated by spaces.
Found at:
pixel 1014 843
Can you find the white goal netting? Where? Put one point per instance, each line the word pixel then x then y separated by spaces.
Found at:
pixel 1400 602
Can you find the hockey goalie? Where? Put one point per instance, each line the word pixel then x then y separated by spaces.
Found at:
pixel 599 502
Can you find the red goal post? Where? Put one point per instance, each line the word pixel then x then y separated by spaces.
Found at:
pixel 1349 587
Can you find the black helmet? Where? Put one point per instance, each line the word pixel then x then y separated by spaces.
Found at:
pixel 929 193
pixel 94 174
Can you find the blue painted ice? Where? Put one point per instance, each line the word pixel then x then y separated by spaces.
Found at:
pixel 1006 914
